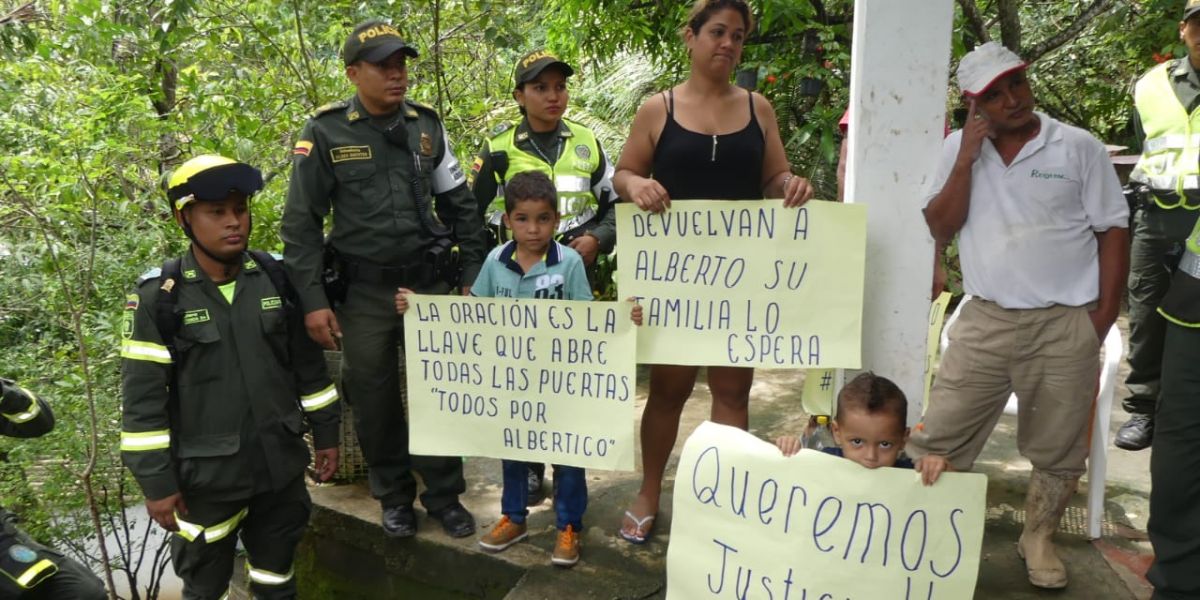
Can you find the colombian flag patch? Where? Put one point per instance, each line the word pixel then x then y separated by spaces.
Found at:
pixel 478 164
pixel 303 147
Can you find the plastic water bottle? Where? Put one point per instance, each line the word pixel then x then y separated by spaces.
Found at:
pixel 821 436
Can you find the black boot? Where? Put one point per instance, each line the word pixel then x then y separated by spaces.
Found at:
pixel 1136 434
pixel 399 521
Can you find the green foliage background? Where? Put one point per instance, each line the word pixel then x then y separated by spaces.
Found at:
pixel 99 98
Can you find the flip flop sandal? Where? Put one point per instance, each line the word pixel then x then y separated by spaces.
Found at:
pixel 634 538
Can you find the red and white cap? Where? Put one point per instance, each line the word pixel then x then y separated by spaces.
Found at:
pixel 980 68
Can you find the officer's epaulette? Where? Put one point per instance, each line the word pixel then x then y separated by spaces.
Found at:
pixel 328 108
pixel 419 106
pixel 499 129
pixel 152 273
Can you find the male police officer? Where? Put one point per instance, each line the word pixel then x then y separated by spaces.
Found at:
pixel 219 377
pixel 379 161
pixel 29 570
pixel 1175 462
pixel 1168 110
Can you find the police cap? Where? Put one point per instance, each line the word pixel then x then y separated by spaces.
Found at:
pixel 531 65
pixel 211 177
pixel 1191 8
pixel 374 41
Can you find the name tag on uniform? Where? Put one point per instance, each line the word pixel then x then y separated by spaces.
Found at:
pixel 193 317
pixel 272 303
pixel 345 153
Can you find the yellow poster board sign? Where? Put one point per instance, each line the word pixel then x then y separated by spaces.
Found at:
pixel 933 344
pixel 749 523
pixel 817 397
pixel 746 283
pixel 537 380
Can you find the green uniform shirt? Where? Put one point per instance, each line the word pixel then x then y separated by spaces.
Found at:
pixel 549 147
pixel 246 374
pixel 344 162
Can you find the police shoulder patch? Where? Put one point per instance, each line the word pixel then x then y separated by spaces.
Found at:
pixel 153 273
pixel 499 129
pixel 331 107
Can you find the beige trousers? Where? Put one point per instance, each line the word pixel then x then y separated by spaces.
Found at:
pixel 1049 357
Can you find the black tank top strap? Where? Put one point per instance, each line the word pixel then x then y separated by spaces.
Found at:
pixel 671 104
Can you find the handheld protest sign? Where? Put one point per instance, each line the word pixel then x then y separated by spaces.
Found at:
pixel 537 380
pixel 749 523
pixel 746 283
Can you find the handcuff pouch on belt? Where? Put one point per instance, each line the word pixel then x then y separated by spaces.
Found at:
pixel 333 275
pixel 22 567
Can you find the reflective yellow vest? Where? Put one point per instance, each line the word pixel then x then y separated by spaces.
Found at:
pixel 572 173
pixel 1182 302
pixel 1170 162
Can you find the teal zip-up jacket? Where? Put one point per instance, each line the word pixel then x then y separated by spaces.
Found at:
pixel 247 377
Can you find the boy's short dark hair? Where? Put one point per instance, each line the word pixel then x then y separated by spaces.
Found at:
pixel 873 394
pixel 530 185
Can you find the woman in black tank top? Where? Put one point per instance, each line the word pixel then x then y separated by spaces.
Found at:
pixel 702 140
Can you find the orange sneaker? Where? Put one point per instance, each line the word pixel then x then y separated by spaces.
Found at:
pixel 566 551
pixel 503 535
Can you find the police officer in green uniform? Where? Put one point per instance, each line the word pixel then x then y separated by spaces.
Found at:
pixel 1174 525
pixel 565 151
pixel 1167 99
pixel 29 570
pixel 402 217
pixel 219 377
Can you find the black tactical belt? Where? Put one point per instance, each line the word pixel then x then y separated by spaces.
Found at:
pixel 412 275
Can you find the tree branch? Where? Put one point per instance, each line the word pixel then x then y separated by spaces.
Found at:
pixel 1010 24
pixel 1040 49
pixel 974 21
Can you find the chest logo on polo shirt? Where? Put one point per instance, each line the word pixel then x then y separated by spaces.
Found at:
pixel 549 286
pixel 1036 174
pixel 193 317
pixel 346 153
pixel 272 303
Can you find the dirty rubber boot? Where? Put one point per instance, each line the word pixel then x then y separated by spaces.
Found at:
pixel 1044 507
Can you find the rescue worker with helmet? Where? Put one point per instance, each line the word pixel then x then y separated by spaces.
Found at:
pixel 1167 99
pixel 402 217
pixel 29 570
pixel 219 380
pixel 565 151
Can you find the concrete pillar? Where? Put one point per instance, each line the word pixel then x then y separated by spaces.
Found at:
pixel 899 71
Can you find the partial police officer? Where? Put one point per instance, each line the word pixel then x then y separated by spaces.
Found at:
pixel 1174 525
pixel 402 217
pixel 1167 99
pixel 219 377
pixel 564 150
pixel 29 570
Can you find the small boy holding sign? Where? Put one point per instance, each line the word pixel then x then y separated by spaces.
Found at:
pixel 533 265
pixel 869 427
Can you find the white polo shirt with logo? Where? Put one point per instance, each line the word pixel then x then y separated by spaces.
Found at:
pixel 1029 239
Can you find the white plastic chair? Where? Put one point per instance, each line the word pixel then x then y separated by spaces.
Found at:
pixel 1114 346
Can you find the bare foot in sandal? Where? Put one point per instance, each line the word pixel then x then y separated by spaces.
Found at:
pixel 638 521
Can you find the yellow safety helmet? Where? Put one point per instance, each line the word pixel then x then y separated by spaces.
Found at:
pixel 211 177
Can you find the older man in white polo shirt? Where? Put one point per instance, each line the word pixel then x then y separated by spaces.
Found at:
pixel 1044 245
